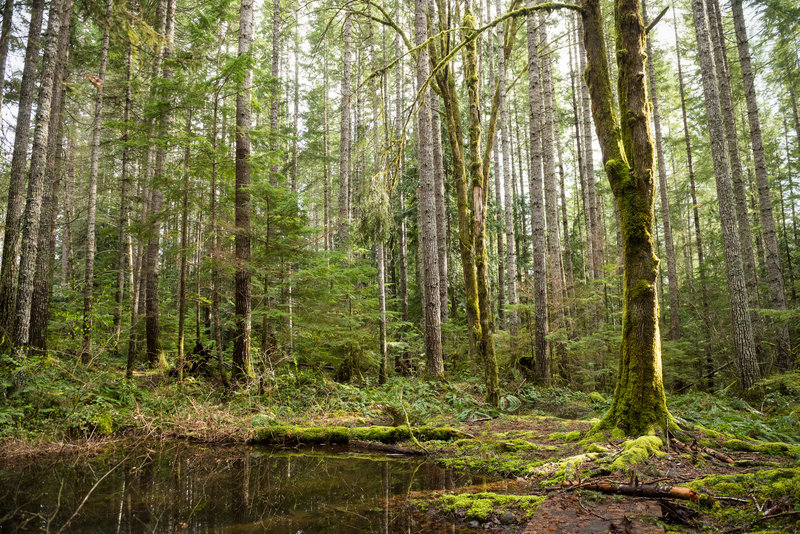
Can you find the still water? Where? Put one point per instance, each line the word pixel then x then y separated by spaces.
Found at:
pixel 175 486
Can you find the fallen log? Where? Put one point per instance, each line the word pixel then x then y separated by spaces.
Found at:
pixel 637 490
pixel 383 447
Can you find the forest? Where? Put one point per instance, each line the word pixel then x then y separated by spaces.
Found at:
pixel 525 257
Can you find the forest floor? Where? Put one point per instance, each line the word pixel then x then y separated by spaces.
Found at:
pixel 742 476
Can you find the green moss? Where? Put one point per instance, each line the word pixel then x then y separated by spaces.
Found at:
pixel 518 445
pixel 597 397
pixel 636 451
pixel 565 436
pixel 765 447
pixel 293 434
pixel 480 506
pixel 594 447
pixel 765 484
pixel 566 469
pixel 617 433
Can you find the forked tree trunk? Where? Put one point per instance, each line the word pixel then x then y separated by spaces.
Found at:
pixel 745 352
pixel 639 405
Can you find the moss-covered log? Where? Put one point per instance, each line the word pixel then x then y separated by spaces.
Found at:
pixel 298 435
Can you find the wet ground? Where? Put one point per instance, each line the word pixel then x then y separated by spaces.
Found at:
pixel 175 486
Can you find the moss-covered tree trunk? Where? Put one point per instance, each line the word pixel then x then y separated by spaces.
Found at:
pixel 639 405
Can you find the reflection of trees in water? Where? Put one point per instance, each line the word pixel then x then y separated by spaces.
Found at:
pixel 169 486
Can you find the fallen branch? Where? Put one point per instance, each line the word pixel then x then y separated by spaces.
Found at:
pixel 637 490
pixel 383 447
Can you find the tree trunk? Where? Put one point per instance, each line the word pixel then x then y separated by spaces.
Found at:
pixel 427 205
pixel 124 245
pixel 538 238
pixel 590 203
pixel 505 142
pixel 187 154
pixel 769 234
pixel 745 359
pixel 480 190
pixel 706 313
pixel 439 193
pixel 19 160
pixel 344 136
pixel 672 271
pixel 5 37
pixel 242 365
pixel 215 252
pixel 43 280
pixel 498 172
pixel 736 171
pixel 88 277
pixel 58 21
pixel 577 112
pixel 384 348
pixel 155 352
pixel 639 405
pixel 555 267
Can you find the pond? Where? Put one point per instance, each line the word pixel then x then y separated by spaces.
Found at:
pixel 175 486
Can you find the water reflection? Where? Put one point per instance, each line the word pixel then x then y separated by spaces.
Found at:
pixel 180 487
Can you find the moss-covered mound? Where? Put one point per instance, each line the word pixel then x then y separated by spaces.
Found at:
pixel 480 506
pixel 294 434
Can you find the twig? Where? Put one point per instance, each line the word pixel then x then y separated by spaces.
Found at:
pixel 655 20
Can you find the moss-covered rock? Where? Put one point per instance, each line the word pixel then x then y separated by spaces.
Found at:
pixel 575 435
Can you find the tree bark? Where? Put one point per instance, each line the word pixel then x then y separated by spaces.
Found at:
pixel 555 267
pixel 187 154
pixel 19 160
pixel 639 405
pixel 538 237
pixel 242 365
pixel 505 141
pixel 439 193
pixel 43 280
pixel 124 244
pixel 155 352
pixel 345 136
pixel 745 353
pixel 590 203
pixel 427 204
pixel 736 171
pixel 495 85
pixel 766 217
pixel 709 363
pixel 5 37
pixel 672 270
pixel 58 21
pixel 88 275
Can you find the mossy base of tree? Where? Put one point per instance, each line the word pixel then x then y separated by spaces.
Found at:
pixel 298 435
